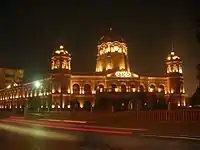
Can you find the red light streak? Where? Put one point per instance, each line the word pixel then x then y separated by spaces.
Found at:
pixel 70 128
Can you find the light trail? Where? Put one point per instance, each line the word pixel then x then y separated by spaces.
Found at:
pixel 70 128
pixel 38 132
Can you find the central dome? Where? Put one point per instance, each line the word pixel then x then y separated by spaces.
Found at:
pixel 111 36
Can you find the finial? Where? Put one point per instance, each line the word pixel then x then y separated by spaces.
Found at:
pixel 172 45
pixel 61 46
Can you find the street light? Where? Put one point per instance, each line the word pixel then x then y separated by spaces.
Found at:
pixel 37 84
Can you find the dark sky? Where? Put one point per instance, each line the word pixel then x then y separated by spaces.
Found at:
pixel 30 31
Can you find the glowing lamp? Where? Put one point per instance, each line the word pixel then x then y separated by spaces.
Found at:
pixel 81 105
pixel 61 46
pixel 151 89
pixel 37 84
pixel 8 87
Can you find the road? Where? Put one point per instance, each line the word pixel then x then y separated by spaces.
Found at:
pixel 43 135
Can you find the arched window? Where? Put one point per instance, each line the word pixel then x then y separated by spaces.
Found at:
pixel 152 88
pixel 100 88
pixel 52 64
pixel 175 68
pixel 123 88
pixel 142 89
pixel 161 88
pixel 57 65
pixel 180 69
pixel 133 88
pixel 76 89
pixel 64 64
pixel 87 89
pixel 113 87
pixel 169 69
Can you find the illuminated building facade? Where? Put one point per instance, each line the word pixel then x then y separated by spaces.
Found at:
pixel 10 76
pixel 112 79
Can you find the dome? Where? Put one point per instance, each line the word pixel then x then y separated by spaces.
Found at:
pixel 173 56
pixel 61 51
pixel 111 36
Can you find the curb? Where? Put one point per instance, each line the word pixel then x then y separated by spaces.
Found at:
pixel 178 137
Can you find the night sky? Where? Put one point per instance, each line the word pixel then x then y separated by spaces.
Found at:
pixel 30 31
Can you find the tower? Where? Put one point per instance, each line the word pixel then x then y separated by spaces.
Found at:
pixel 175 80
pixel 61 61
pixel 61 73
pixel 112 53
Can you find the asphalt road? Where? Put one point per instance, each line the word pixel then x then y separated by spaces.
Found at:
pixel 21 136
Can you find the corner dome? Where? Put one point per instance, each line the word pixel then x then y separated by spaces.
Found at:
pixel 61 51
pixel 173 56
pixel 110 36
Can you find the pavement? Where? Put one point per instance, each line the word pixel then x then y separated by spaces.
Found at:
pixel 18 133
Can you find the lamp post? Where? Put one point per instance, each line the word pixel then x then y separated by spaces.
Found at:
pixel 36 85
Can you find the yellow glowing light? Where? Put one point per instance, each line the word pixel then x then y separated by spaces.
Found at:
pixel 183 90
pixel 57 52
pixel 123 74
pixel 180 69
pixel 81 105
pixel 61 46
pixel 101 89
pixel 8 87
pixel 172 53
pixel 159 89
pixel 169 58
pixel 135 75
pixel 184 103
pixel 175 57
pixel 112 47
pixel 172 91
pixel 151 89
pixel 133 89
pixel 108 67
pixel 116 48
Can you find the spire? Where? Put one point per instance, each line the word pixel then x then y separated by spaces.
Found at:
pixel 172 45
pixel 172 52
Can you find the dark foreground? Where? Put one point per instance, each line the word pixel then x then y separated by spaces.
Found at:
pixel 23 137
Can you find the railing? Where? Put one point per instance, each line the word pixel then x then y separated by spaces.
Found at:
pixel 140 116
pixel 125 117
pixel 174 116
